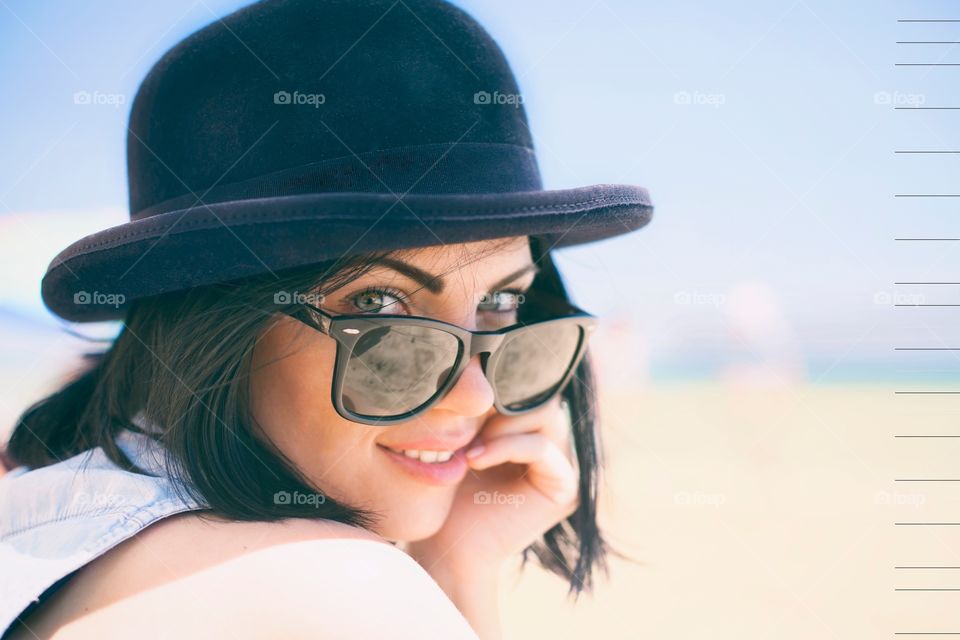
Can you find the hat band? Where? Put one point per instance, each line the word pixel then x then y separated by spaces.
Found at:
pixel 457 168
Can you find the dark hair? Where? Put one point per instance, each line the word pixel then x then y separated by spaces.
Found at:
pixel 183 359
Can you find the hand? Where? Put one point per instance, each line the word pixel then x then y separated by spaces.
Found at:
pixel 523 482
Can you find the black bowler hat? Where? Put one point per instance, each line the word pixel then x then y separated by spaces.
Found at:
pixel 297 131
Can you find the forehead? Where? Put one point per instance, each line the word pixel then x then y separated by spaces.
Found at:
pixel 483 254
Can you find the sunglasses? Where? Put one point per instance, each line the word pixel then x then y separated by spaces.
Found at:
pixel 390 368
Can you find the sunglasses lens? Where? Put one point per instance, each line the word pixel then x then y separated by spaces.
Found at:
pixel 533 362
pixel 393 370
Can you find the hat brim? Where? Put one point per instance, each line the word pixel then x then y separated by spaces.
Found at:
pixel 97 277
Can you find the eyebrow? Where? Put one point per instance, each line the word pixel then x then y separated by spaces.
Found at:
pixel 435 284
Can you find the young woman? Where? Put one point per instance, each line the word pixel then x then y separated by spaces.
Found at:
pixel 349 386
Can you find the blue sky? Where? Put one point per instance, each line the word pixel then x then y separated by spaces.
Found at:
pixel 765 131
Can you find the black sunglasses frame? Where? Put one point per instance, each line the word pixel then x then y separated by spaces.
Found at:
pixel 347 329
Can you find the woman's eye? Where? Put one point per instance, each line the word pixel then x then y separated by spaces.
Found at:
pixel 500 302
pixel 378 301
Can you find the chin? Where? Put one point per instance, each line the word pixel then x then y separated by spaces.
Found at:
pixel 416 520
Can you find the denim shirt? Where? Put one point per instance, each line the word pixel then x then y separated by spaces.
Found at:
pixel 56 519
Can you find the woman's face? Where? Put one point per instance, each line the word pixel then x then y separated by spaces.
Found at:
pixel 371 467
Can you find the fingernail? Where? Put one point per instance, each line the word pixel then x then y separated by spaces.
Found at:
pixel 476 451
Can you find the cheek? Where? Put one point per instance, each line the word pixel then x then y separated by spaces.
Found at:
pixel 290 376
pixel 290 381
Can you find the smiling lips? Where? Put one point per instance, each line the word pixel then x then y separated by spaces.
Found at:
pixel 432 466
pixel 432 448
pixel 429 457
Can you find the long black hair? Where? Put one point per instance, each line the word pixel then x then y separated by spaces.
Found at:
pixel 183 359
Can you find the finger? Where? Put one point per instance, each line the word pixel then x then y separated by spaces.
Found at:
pixel 549 418
pixel 548 469
pixel 553 419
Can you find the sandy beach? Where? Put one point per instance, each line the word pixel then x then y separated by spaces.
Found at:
pixel 766 513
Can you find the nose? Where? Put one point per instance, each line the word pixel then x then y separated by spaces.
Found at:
pixel 471 395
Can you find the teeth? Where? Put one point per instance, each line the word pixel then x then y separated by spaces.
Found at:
pixel 430 457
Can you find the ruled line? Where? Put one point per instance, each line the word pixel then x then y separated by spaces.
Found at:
pixel 925 392
pixel 933 152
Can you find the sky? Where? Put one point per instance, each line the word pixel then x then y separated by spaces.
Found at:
pixel 765 131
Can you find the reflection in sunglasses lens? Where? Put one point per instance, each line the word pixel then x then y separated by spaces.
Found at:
pixel 393 370
pixel 533 361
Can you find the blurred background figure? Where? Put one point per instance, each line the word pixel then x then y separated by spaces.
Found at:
pixel 765 349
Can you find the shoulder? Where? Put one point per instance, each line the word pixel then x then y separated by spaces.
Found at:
pixel 294 578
